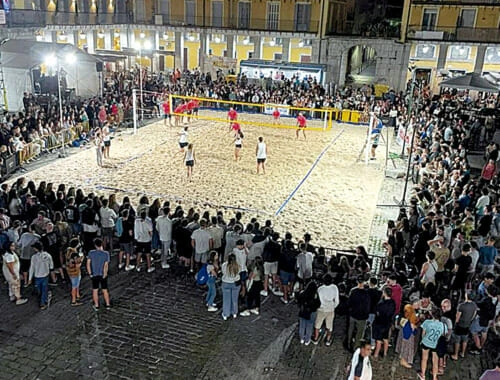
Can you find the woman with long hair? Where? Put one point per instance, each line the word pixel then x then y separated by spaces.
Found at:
pixel 255 285
pixel 189 160
pixel 231 285
pixel 212 267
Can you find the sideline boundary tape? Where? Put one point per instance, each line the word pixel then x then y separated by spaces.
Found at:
pixel 315 163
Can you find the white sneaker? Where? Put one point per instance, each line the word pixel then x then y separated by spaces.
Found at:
pixel 302 341
pixel 129 267
pixel 21 301
pixel 152 269
pixel 138 269
pixel 235 316
pixel 165 266
pixel 224 317
pixel 245 313
pixel 211 308
pixel 255 311
pixel 264 293
pixel 121 265
pixel 277 292
pixel 283 300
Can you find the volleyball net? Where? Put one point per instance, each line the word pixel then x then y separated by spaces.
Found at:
pixel 253 114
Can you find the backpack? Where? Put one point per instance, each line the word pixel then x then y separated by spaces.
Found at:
pixel 202 275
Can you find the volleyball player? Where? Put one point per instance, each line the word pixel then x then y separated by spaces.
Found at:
pixel 301 124
pixel 183 138
pixel 232 116
pixel 238 144
pixel 261 153
pixel 189 109
pixel 276 116
pixel 166 113
pixel 179 113
pixel 106 138
pixel 189 160
pixel 235 127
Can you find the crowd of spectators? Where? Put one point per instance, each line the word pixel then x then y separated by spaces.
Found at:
pixel 438 285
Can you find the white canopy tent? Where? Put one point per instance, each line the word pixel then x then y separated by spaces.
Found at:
pixel 20 57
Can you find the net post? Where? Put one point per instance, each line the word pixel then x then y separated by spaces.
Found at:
pixel 330 120
pixel 325 120
pixel 134 109
pixel 368 138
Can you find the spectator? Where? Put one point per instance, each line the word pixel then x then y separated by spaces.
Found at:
pixel 97 268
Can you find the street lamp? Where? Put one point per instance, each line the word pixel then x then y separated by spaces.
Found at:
pixel 53 61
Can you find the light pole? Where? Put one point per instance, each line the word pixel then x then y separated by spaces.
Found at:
pixel 54 61
pixel 139 46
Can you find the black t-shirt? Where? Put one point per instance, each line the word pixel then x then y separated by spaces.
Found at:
pixel 72 214
pixel 127 225
pixel 359 304
pixel 384 312
pixel 375 295
pixel 463 262
pixel 50 243
pixel 271 252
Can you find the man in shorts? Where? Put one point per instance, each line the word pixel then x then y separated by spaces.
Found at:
pixel 125 231
pixel 271 256
pixel 328 294
pixel 486 314
pixel 202 243
pixel 97 267
pixel 466 312
pixel 143 231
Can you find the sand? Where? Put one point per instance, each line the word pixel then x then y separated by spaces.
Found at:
pixel 335 204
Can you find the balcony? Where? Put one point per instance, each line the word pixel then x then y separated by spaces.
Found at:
pixel 456 2
pixel 453 34
pixel 19 18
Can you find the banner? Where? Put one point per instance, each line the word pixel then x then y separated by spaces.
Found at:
pixel 269 109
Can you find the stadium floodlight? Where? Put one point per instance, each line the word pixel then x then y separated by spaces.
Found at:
pixel 137 45
pixel 142 34
pixel 70 58
pixel 50 60
pixel 148 45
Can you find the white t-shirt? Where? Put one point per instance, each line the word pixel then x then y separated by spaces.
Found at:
pixel 261 150
pixel 329 297
pixel 241 258
pixel 183 137
pixel 202 240
pixel 365 367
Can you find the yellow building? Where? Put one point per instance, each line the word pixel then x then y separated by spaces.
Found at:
pixel 190 30
pixel 452 37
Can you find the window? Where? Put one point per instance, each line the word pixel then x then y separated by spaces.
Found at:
pixel 190 12
pixel 425 51
pixel 243 15
pixel 467 18
pixel 140 10
pixel 278 56
pixel 429 19
pixel 250 55
pixel 164 9
pixel 273 15
pixel 217 13
pixel 492 55
pixel 302 17
pixel 459 53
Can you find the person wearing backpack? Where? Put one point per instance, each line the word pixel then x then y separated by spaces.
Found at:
pixel 309 303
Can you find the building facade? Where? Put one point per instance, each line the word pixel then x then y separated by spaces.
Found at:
pixel 451 37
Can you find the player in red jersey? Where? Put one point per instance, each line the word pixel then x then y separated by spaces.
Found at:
pixel 276 116
pixel 232 116
pixel 235 126
pixel 301 124
pixel 190 107
pixel 179 111
pixel 166 112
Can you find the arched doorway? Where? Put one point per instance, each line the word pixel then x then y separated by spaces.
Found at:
pixel 361 65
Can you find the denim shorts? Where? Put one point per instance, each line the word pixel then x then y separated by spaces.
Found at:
pixel 75 281
pixel 286 277
pixel 476 328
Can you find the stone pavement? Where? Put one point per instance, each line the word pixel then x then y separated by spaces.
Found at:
pixel 159 328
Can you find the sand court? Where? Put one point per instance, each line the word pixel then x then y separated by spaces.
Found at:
pixel 335 203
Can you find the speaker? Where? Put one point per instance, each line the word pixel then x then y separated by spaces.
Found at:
pixel 99 66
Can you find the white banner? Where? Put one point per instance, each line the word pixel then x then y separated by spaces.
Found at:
pixel 269 109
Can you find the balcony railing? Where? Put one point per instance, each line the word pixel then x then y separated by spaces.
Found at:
pixel 453 33
pixel 28 18
pixel 456 2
